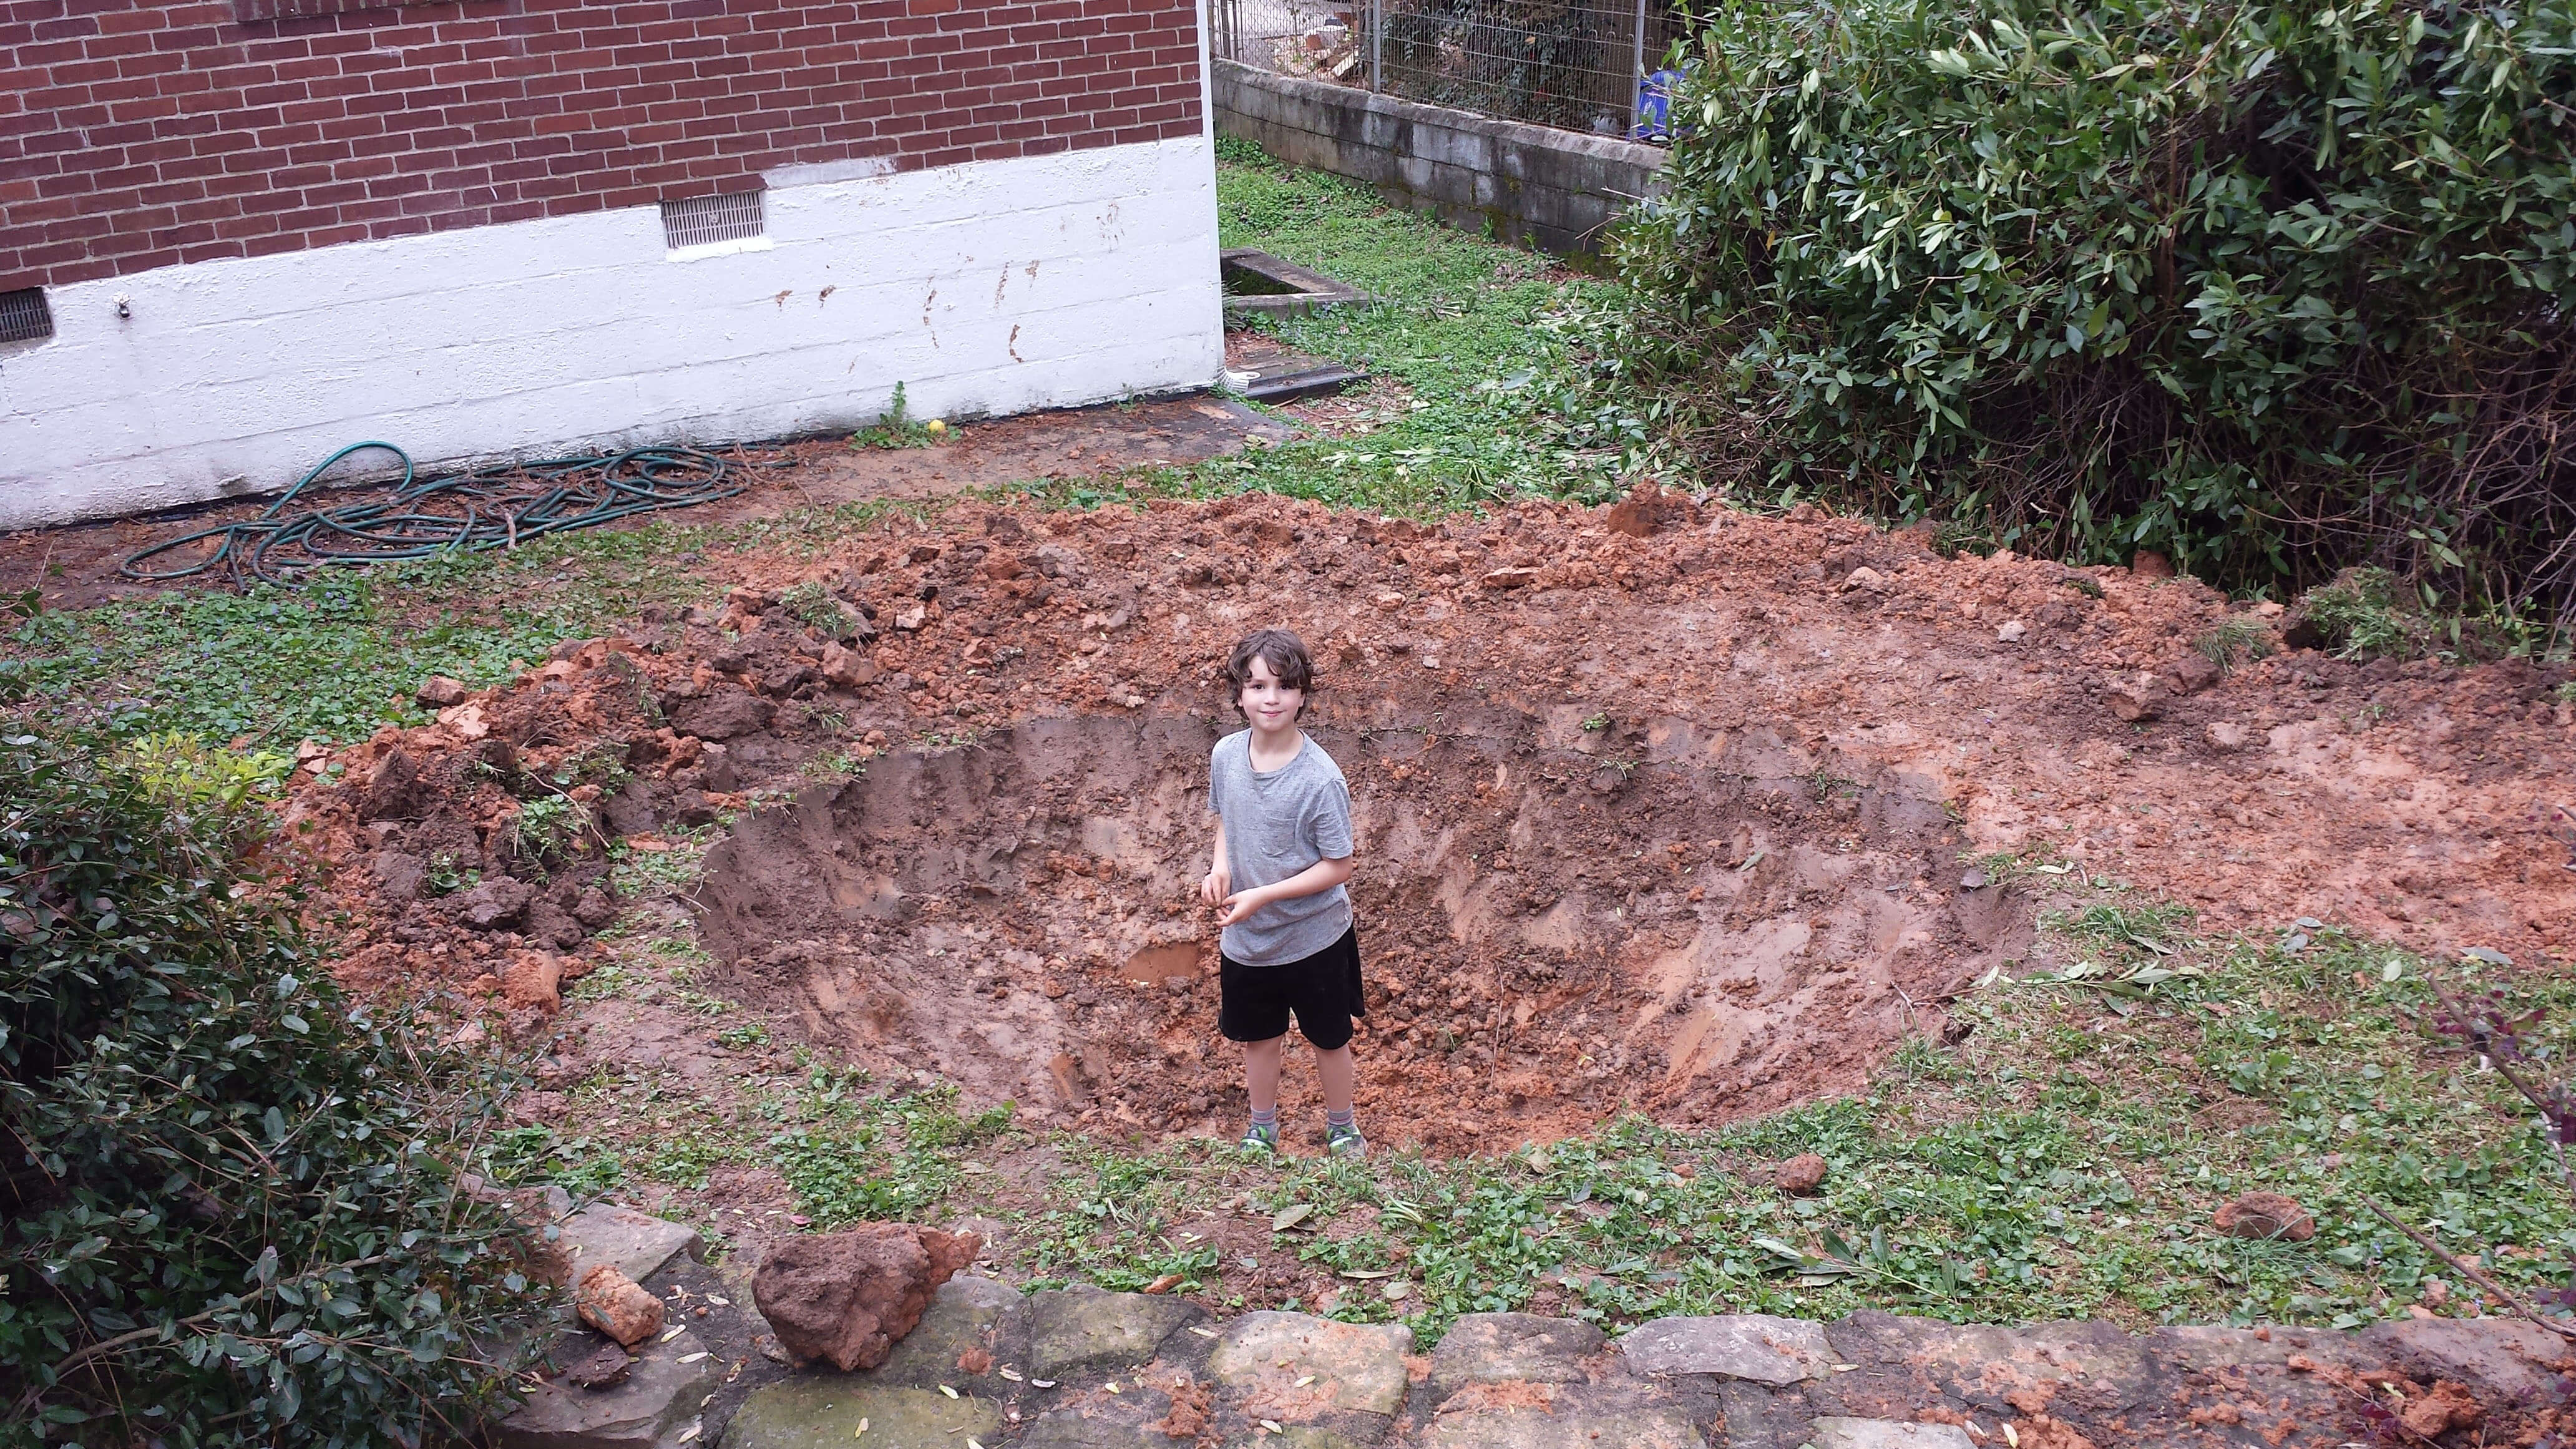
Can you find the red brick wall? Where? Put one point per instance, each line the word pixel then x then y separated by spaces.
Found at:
pixel 137 135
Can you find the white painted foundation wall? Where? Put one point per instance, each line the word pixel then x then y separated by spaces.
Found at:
pixel 988 288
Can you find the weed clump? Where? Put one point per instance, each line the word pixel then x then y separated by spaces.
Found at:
pixel 812 605
pixel 2362 615
pixel 897 428
pixel 2235 643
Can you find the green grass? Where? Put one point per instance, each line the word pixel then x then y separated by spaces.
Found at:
pixel 1460 364
pixel 334 660
pixel 2063 1162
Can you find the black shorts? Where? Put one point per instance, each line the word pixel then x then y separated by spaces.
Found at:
pixel 1322 989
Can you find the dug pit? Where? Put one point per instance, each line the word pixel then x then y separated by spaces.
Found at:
pixel 1560 923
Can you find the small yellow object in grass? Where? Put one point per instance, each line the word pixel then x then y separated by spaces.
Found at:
pixel 934 427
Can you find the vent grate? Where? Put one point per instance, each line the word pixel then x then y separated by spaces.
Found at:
pixel 705 220
pixel 24 317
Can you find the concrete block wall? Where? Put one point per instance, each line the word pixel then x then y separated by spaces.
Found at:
pixel 1558 190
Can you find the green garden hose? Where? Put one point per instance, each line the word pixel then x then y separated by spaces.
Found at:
pixel 498 506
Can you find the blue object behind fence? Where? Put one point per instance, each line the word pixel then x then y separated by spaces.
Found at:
pixel 1655 106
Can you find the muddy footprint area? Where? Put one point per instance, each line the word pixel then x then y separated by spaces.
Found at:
pixel 1559 923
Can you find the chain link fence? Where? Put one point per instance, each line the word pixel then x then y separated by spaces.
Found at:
pixel 1575 65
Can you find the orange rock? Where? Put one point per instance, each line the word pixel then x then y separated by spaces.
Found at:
pixel 616 1305
pixel 534 980
pixel 2265 1215
pixel 1801 1175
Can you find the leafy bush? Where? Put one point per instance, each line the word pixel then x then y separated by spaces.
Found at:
pixel 2273 290
pixel 229 1214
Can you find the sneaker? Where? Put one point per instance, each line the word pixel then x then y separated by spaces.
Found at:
pixel 1260 1141
pixel 1345 1142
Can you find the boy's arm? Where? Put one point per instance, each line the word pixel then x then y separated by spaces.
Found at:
pixel 1323 875
pixel 1219 882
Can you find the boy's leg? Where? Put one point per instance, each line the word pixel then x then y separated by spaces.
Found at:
pixel 1328 999
pixel 1249 1011
pixel 1338 1074
pixel 1261 1075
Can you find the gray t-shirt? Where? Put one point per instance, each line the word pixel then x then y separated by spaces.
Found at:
pixel 1276 825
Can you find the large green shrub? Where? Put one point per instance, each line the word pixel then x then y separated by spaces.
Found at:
pixel 227 1215
pixel 2273 289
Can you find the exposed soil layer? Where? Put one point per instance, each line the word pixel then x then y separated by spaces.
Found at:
pixel 1555 920
pixel 1736 886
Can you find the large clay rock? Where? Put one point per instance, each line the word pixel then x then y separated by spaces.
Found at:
pixel 844 1298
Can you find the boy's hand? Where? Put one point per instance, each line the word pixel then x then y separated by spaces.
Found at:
pixel 1218 885
pixel 1232 910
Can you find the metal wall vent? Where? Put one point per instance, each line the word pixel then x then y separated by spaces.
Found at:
pixel 705 220
pixel 24 317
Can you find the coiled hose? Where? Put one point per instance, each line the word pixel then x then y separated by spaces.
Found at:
pixel 493 507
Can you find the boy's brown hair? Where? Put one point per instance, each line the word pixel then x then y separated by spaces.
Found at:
pixel 1286 655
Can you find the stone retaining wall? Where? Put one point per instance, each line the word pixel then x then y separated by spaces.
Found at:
pixel 1078 1368
pixel 1553 189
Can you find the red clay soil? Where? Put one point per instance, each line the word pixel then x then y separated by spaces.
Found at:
pixel 1658 807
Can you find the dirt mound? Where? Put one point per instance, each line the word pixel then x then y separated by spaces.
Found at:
pixel 1662 806
pixel 1572 920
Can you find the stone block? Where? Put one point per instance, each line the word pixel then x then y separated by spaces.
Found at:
pixel 1659 1426
pixel 824 1410
pixel 635 1244
pixel 966 1315
pixel 1511 1347
pixel 1081 1328
pixel 1831 1433
pixel 659 1394
pixel 1753 1346
pixel 2504 1360
pixel 1261 1357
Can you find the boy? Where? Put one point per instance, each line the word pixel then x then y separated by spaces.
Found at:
pixel 1283 851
